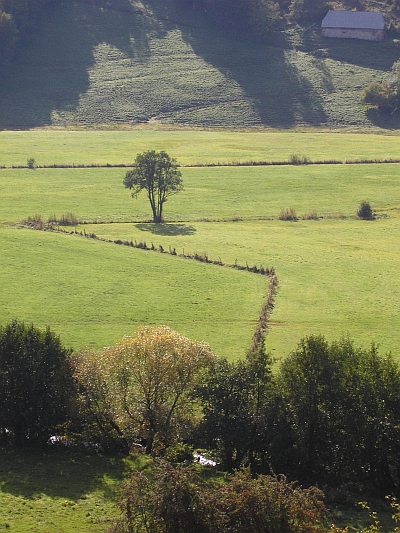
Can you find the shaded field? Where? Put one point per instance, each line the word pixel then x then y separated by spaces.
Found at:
pixel 59 491
pixel 93 293
pixel 190 147
pixel 151 63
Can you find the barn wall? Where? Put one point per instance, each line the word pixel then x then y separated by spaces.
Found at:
pixel 344 33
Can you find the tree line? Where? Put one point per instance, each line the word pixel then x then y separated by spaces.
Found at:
pixel 329 416
pixel 258 17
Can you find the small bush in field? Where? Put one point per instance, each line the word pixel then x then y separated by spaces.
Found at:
pixel 364 211
pixel 31 163
pixel 288 214
pixel 69 219
pixel 296 159
pixel 311 215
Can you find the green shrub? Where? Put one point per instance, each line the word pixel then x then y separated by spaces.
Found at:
pixel 296 159
pixel 31 163
pixel 35 383
pixel 380 95
pixel 364 211
pixel 177 499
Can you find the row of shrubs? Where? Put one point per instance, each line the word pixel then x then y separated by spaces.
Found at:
pixel 294 159
pixel 364 212
pixel 69 219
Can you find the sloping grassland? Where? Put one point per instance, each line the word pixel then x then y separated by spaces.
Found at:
pixel 133 63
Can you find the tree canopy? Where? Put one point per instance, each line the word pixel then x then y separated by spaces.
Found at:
pixel 35 383
pixel 158 174
pixel 139 387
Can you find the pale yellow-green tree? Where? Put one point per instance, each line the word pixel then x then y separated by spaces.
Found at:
pixel 139 387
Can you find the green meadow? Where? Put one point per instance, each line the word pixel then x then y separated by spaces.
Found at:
pixel 190 147
pixel 337 274
pixel 93 293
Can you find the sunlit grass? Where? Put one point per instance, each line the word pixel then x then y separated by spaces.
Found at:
pixel 190 147
pixel 93 293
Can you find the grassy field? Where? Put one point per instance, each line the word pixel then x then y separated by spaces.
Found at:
pixel 93 293
pixel 191 147
pixel 337 275
pixel 218 193
pixel 148 63
pixel 59 492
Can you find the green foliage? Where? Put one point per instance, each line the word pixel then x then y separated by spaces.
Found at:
pixel 8 37
pixel 176 499
pixel 139 388
pixel 232 396
pixel 379 94
pixel 364 211
pixel 297 159
pixel 31 163
pixel 336 415
pixel 158 174
pixel 384 95
pixel 35 383
pixel 308 10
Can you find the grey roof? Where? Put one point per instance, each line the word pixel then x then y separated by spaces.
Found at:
pixel 372 20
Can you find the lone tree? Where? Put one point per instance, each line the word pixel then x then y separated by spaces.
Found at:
pixel 158 173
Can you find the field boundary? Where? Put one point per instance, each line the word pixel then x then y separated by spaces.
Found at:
pixel 266 308
pixel 303 160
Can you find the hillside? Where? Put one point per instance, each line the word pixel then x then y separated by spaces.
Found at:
pixel 86 64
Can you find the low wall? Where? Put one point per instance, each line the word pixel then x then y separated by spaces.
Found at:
pixel 346 33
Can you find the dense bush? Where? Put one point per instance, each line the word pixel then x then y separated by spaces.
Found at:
pixel 139 388
pixel 35 383
pixel 335 417
pixel 364 211
pixel 384 95
pixel 16 16
pixel 232 396
pixel 177 500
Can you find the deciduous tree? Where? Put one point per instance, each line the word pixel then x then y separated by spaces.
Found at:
pixel 139 387
pixel 35 383
pixel 339 415
pixel 159 175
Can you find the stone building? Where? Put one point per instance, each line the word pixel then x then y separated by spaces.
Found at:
pixel 369 25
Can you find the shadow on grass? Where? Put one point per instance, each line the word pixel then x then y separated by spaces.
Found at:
pixel 167 229
pixel 56 80
pixel 59 473
pixel 278 93
pixel 51 70
pixel 383 119
pixel 367 54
